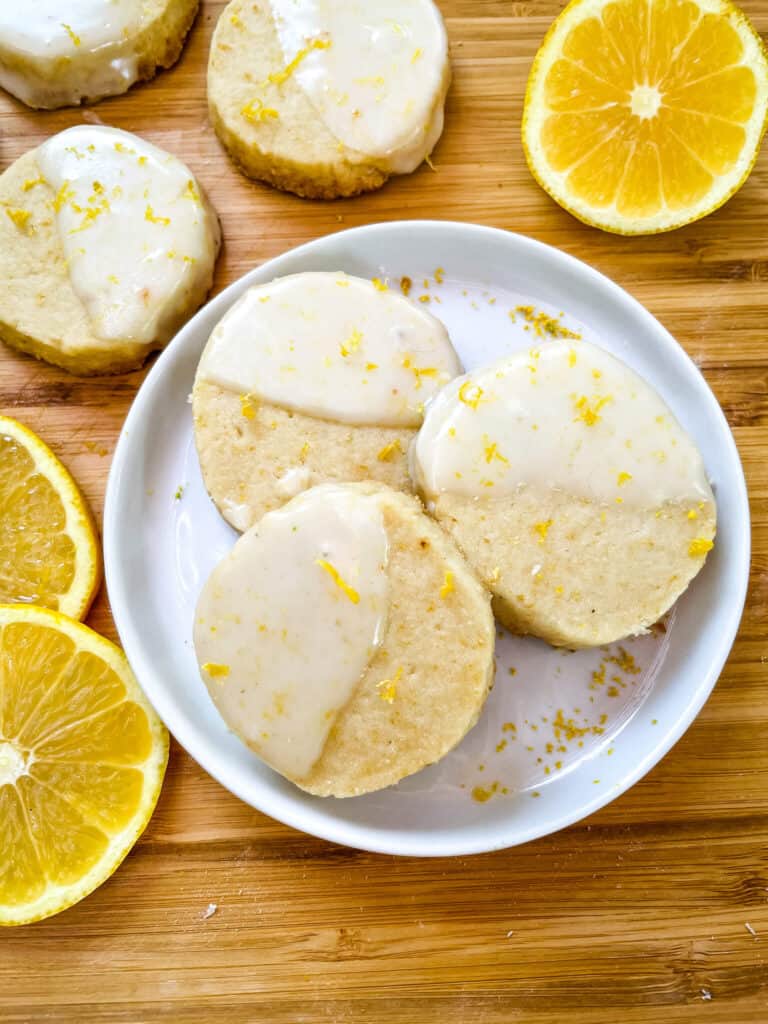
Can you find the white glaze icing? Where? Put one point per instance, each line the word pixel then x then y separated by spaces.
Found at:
pixel 567 416
pixel 132 225
pixel 332 346
pixel 288 621
pixel 375 73
pixel 93 39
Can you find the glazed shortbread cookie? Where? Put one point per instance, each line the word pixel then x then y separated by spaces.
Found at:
pixel 328 98
pixel 571 489
pixel 388 672
pixel 55 54
pixel 107 245
pixel 313 378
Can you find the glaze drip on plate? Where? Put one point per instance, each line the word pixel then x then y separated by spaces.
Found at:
pixel 132 225
pixel 375 73
pixel 278 674
pixel 336 347
pixel 565 416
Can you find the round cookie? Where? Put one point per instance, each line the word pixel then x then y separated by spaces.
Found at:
pixel 325 98
pixel 107 246
pixel 57 55
pixel 312 378
pixel 571 489
pixel 391 668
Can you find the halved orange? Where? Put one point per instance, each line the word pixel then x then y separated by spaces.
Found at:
pixel 82 759
pixel 49 553
pixel 644 115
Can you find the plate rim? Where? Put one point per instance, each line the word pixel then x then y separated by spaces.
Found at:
pixel 391 840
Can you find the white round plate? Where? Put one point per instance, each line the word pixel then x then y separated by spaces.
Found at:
pixel 562 733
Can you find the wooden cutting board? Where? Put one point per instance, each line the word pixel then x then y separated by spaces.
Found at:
pixel 641 913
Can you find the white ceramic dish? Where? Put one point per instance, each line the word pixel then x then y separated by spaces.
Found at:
pixel 561 735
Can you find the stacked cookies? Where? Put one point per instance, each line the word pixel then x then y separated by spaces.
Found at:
pixel 348 636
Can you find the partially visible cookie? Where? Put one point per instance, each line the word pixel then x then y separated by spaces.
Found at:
pixel 328 98
pixel 572 490
pixel 344 639
pixel 313 378
pixel 55 54
pixel 107 246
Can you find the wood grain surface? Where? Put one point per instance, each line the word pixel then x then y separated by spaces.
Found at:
pixel 639 913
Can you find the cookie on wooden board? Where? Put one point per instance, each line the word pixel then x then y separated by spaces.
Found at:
pixel 327 98
pixel 55 54
pixel 107 246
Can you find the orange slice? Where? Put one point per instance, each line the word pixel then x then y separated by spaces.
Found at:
pixel 643 115
pixel 49 554
pixel 82 759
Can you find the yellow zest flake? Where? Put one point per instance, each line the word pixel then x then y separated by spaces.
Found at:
pixel 71 33
pixel 543 324
pixel 379 285
pixel 189 259
pixel 255 111
pixel 405 286
pixel 542 529
pixel 278 77
pixel 590 414
pixel 371 366
pixel 351 593
pixel 191 192
pixel 63 196
pixel 122 148
pixel 352 344
pixel 571 357
pixel 389 451
pixel 424 298
pixel 416 54
pixel 597 374
pixel 447 587
pixel 247 407
pixel 216 671
pixel 150 216
pixel 113 279
pixel 558 590
pixel 481 795
pixel 388 687
pixel 19 217
pixel 692 513
pixel 234 20
pixel 31 182
pixel 566 729
pixel 141 161
pixel 623 478
pixel 699 546
pixel 492 452
pixel 439 275
pixel 470 394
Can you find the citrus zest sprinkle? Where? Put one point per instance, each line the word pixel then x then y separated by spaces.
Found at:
pixel 699 546
pixel 351 593
pixel 389 451
pixel 388 687
pixel 216 671
pixel 447 587
pixel 278 77
pixel 470 394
